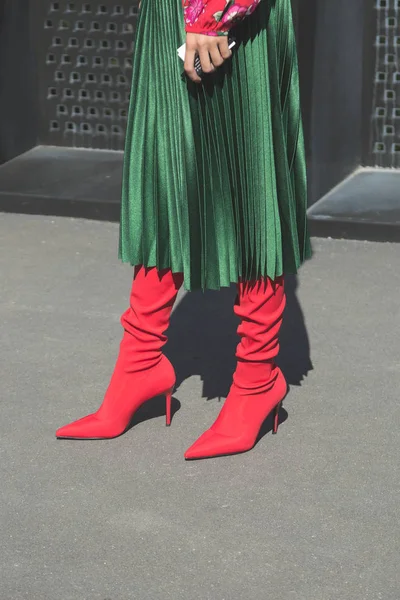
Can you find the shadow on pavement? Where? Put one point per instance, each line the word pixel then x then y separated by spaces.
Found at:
pixel 203 339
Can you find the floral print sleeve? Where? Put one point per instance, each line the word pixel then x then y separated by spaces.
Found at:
pixel 215 17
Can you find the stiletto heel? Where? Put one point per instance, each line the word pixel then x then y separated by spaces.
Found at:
pixel 168 399
pixel 276 417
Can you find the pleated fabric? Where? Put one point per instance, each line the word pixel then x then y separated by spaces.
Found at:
pixel 214 180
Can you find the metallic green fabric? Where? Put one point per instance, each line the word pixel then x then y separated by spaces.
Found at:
pixel 214 181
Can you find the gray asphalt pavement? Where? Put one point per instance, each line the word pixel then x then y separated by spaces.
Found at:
pixel 309 514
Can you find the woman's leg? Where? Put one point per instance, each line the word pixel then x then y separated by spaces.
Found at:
pixel 141 371
pixel 258 384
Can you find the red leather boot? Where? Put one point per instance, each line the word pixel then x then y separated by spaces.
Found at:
pixel 141 372
pixel 258 384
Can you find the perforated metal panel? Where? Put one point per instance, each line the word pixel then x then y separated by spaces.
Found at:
pixel 385 131
pixel 85 65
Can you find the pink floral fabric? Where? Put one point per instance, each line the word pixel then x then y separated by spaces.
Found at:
pixel 215 17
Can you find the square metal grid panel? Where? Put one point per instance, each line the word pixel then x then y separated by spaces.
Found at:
pixel 85 54
pixel 385 131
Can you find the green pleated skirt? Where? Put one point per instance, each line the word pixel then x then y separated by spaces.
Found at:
pixel 214 179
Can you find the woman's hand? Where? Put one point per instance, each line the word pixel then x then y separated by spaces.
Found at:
pixel 213 51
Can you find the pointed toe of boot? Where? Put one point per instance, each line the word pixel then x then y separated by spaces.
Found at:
pixel 212 444
pixel 87 428
pixel 201 447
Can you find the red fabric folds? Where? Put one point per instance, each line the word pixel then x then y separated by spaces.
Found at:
pixel 216 17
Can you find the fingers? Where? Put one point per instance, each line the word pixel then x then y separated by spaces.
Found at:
pixel 216 58
pixel 204 54
pixel 212 51
pixel 223 46
pixel 189 65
